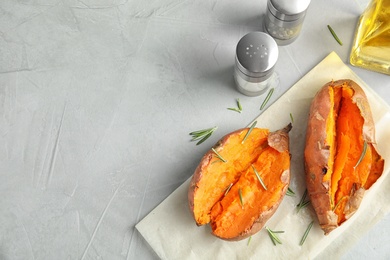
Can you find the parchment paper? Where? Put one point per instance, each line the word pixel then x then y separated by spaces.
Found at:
pixel 172 233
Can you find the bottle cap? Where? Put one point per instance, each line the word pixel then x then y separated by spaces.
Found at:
pixel 256 56
pixel 288 10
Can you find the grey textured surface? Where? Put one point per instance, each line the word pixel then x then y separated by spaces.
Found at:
pixel 96 102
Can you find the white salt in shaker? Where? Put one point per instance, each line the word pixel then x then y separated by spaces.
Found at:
pixel 256 56
pixel 284 18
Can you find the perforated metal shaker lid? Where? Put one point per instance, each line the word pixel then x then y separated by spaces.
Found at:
pixel 288 10
pixel 256 55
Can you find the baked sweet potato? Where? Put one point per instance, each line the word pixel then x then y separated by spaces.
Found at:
pixel 341 160
pixel 240 182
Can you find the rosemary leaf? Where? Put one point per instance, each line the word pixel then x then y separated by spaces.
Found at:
pixel 228 189
pixel 303 205
pixel 239 104
pixel 267 98
pixel 258 177
pixel 362 155
pixel 249 131
pixel 290 192
pixel 303 202
pixel 272 239
pixel 306 233
pixel 334 35
pixel 218 155
pixel 249 240
pixel 303 197
pixel 235 109
pixel 292 118
pixel 241 200
pixel 273 236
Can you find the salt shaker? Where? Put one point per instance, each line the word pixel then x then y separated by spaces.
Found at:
pixel 256 56
pixel 284 18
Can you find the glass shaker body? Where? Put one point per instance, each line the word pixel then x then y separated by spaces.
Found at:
pixel 284 18
pixel 256 56
pixel 371 45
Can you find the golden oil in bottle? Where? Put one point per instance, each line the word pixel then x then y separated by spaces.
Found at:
pixel 371 46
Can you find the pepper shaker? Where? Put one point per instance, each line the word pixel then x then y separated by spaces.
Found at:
pixel 284 19
pixel 256 56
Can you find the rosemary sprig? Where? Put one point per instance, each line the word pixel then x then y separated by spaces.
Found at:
pixel 249 131
pixel 292 118
pixel 274 238
pixel 202 135
pixel 362 155
pixel 218 155
pixel 228 189
pixel 239 107
pixel 290 192
pixel 240 195
pixel 259 178
pixel 335 35
pixel 267 98
pixel 306 233
pixel 303 202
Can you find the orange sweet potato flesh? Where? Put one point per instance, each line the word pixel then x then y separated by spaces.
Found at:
pixel 229 195
pixel 341 160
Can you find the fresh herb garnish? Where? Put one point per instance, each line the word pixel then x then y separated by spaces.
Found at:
pixel 273 236
pixel 292 118
pixel 267 98
pixel 249 131
pixel 239 104
pixel 303 205
pixel 249 240
pixel 239 107
pixel 202 135
pixel 258 177
pixel 362 155
pixel 240 195
pixel 334 35
pixel 290 192
pixel 228 189
pixel 303 202
pixel 218 155
pixel 306 233
pixel 234 109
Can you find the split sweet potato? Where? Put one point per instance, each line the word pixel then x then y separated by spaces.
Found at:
pixel 240 182
pixel 341 160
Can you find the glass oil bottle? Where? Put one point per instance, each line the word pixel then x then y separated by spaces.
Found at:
pixel 371 45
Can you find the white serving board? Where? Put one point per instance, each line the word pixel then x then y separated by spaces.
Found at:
pixel 172 233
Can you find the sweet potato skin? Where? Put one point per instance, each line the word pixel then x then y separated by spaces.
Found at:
pixel 316 159
pixel 317 153
pixel 279 141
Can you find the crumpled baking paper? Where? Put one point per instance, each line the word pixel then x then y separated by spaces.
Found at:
pixel 172 233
